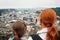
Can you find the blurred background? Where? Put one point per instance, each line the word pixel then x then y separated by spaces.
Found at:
pixel 26 10
pixel 29 15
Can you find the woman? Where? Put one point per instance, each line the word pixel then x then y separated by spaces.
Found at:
pixel 49 31
pixel 47 20
pixel 19 29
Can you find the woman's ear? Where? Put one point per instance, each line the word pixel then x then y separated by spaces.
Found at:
pixel 42 25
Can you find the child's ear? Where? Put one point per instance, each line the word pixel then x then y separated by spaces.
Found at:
pixel 14 32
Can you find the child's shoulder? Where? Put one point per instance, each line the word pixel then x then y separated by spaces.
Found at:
pixel 11 38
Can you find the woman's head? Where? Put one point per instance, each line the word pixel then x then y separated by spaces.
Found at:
pixel 19 28
pixel 47 17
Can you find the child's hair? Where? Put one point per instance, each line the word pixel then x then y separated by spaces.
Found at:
pixel 48 18
pixel 20 28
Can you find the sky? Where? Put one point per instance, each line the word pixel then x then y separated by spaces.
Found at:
pixel 58 2
pixel 29 3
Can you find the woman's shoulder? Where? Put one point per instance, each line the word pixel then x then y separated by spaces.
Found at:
pixel 35 37
pixel 59 34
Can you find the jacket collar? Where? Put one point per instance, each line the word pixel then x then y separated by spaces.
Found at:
pixel 44 30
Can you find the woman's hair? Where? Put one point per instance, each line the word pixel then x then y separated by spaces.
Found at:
pixel 48 18
pixel 20 28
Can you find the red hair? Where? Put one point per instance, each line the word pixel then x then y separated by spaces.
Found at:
pixel 48 18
